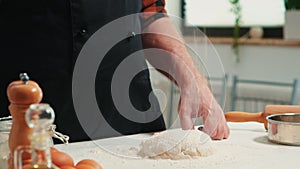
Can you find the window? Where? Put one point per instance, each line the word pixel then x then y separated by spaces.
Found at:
pixel 215 18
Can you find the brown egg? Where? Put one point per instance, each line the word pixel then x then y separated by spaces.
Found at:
pixel 61 159
pixel 84 166
pixel 67 167
pixel 53 149
pixel 90 162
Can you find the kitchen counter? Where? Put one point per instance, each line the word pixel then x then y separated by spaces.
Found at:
pixel 247 148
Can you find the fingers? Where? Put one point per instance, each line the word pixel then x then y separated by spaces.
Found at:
pixel 221 132
pixel 186 123
pixel 185 110
pixel 215 123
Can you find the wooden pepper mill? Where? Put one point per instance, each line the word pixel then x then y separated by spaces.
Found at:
pixel 21 94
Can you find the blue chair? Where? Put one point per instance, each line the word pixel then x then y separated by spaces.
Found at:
pixel 220 83
pixel 255 103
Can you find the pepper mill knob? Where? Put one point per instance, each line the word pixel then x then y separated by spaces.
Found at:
pixel 24 77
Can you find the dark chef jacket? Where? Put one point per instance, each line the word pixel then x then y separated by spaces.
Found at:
pixel 44 37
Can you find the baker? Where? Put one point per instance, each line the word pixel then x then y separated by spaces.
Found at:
pixel 44 38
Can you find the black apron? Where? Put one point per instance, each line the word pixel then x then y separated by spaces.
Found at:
pixel 44 38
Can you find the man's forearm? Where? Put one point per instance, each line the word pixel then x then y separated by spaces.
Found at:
pixel 178 60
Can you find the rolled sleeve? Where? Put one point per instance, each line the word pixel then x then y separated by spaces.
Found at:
pixel 152 10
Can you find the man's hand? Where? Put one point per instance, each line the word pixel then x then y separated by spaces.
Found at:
pixel 197 100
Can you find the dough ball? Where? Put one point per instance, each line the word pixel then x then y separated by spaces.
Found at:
pixel 176 144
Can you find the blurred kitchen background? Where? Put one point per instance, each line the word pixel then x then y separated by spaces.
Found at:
pixel 268 50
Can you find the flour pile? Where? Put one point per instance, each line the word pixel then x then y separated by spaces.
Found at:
pixel 176 144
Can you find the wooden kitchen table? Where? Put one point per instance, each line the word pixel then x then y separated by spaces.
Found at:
pixel 247 148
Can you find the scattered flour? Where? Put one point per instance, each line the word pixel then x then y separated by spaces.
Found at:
pixel 176 144
pixel 4 151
